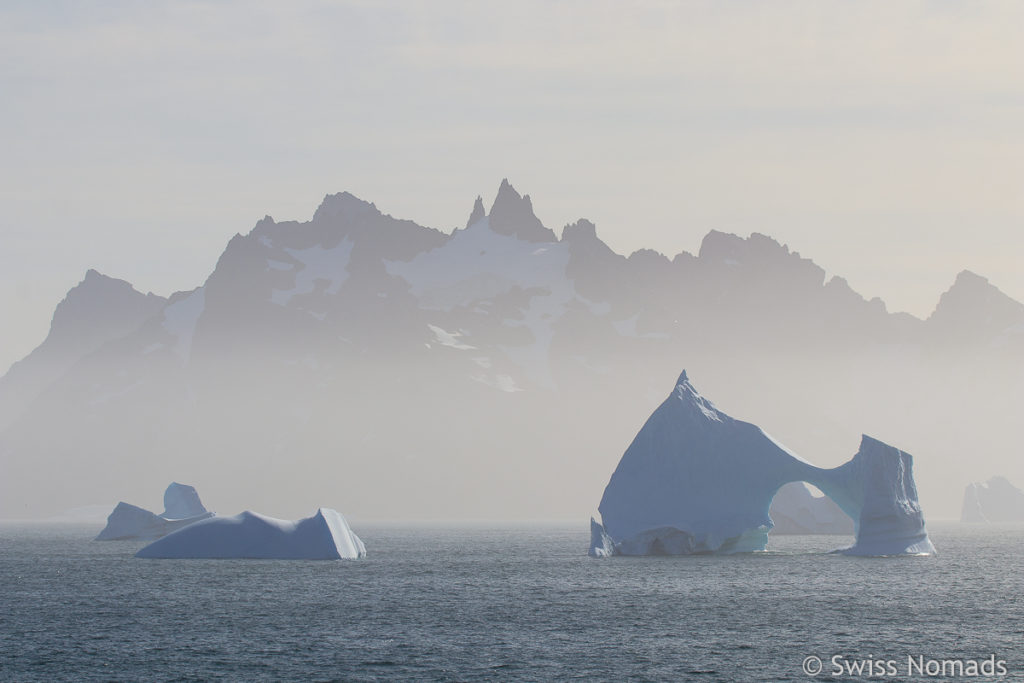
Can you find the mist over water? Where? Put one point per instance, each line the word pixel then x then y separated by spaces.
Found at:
pixel 392 371
pixel 506 603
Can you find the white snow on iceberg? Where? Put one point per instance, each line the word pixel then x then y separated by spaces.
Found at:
pixel 181 508
pixel 324 536
pixel 695 480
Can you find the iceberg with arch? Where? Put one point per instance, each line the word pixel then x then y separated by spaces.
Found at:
pixel 131 522
pixel 695 480
pixel 249 535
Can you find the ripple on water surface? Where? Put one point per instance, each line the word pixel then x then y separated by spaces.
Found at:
pixel 497 604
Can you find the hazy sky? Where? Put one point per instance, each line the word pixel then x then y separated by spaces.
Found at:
pixel 884 140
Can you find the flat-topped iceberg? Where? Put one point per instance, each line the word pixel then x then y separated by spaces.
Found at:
pixel 131 522
pixel 695 480
pixel 324 536
pixel 996 500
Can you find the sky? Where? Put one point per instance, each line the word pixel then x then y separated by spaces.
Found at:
pixel 883 140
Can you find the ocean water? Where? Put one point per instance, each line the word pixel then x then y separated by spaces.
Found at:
pixel 471 604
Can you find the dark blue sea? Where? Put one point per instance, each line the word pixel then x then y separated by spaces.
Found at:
pixel 508 604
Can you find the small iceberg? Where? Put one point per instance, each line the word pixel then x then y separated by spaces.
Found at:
pixel 324 536
pixel 130 522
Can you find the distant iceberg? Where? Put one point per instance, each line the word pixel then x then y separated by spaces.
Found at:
pixel 997 500
pixel 324 536
pixel 795 510
pixel 695 480
pixel 130 522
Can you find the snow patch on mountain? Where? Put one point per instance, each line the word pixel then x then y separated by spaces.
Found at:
pixel 476 265
pixel 500 382
pixel 450 339
pixel 317 263
pixel 539 318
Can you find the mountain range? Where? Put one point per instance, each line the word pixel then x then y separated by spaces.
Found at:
pixel 368 363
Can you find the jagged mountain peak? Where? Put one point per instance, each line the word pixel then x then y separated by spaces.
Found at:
pixel 343 206
pixel 973 305
pixel 718 245
pixel 649 258
pixel 100 297
pixel 478 212
pixel 512 214
pixel 580 230
pixel 970 289
pixel 97 310
pixel 94 278
pixel 761 258
pixel 731 248
pixel 967 278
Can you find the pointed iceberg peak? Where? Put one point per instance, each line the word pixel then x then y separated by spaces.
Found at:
pixel 512 214
pixel 478 212
pixel 693 404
